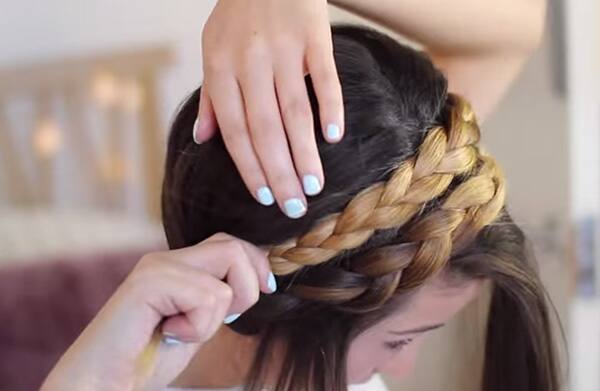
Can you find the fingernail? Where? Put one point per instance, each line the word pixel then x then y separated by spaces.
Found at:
pixel 311 185
pixel 333 132
pixel 294 208
pixel 271 282
pixel 265 196
pixel 195 131
pixel 231 318
pixel 171 339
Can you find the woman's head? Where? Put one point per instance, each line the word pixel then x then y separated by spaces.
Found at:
pixel 408 225
pixel 390 346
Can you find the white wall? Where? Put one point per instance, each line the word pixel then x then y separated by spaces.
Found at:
pixel 584 105
pixel 583 56
pixel 36 31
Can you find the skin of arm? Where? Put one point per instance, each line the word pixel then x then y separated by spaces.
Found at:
pixel 481 45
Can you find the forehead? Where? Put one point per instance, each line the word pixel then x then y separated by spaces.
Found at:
pixel 436 302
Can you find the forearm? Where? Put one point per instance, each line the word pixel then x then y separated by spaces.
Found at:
pixel 459 26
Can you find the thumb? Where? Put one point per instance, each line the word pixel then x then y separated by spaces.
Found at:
pixel 179 328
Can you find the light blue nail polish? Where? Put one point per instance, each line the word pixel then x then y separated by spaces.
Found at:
pixel 333 132
pixel 311 185
pixel 231 318
pixel 265 196
pixel 294 208
pixel 195 131
pixel 171 340
pixel 271 282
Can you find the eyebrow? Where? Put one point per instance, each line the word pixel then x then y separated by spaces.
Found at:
pixel 418 329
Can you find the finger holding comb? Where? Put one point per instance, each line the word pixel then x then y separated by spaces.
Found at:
pixel 170 304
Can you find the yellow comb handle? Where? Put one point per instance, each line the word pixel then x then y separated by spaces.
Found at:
pixel 146 361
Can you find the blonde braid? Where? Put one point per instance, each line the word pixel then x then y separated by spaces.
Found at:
pixel 443 154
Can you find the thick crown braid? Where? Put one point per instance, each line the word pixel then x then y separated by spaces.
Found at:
pixel 431 239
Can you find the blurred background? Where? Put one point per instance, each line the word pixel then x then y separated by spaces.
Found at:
pixel 87 90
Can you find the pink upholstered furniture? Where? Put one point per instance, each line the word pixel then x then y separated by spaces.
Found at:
pixel 45 305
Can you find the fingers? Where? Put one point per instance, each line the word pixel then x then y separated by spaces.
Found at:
pixel 297 116
pixel 222 254
pixel 230 114
pixel 265 117
pixel 243 266
pixel 206 123
pixel 260 261
pixel 179 328
pixel 199 287
pixel 323 72
pixel 195 301
pixel 269 139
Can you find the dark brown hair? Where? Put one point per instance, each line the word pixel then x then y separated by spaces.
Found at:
pixel 396 106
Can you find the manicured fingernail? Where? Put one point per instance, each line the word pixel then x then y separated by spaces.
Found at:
pixel 294 208
pixel 311 185
pixel 333 132
pixel 195 131
pixel 265 196
pixel 171 339
pixel 231 318
pixel 271 282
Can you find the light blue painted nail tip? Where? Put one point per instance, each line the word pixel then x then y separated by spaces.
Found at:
pixel 168 340
pixel 294 208
pixel 231 318
pixel 311 185
pixel 195 131
pixel 271 282
pixel 333 132
pixel 265 196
